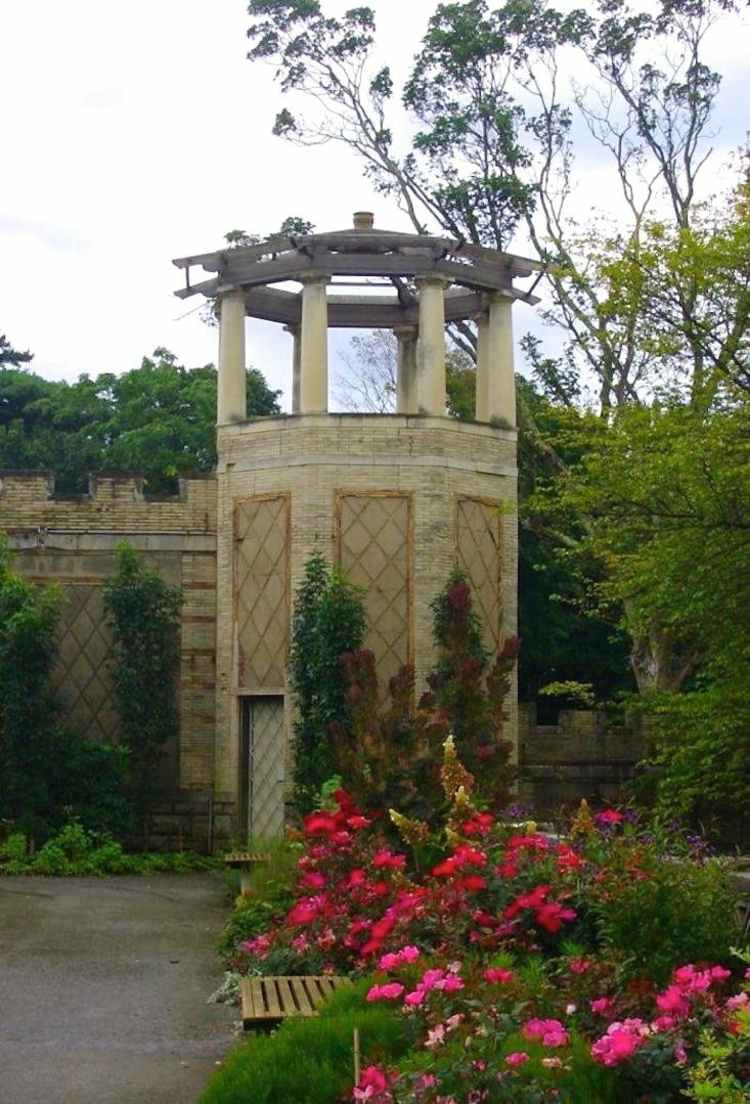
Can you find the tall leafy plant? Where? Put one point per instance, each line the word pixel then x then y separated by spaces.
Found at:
pixel 28 623
pixel 390 755
pixel 470 685
pixel 144 613
pixel 329 620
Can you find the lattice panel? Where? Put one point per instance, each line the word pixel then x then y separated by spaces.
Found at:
pixel 261 592
pixel 266 797
pixel 478 550
pixel 374 552
pixel 82 674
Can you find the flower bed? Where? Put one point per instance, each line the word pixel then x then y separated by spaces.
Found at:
pixel 528 968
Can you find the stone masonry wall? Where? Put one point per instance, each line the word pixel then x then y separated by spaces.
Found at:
pixel 580 757
pixel 331 468
pixel 72 539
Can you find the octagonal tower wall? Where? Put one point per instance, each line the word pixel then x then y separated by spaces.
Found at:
pixel 397 501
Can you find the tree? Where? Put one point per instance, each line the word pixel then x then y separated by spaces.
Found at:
pixel 492 149
pixel 369 382
pixel 9 355
pixel 328 620
pixel 493 152
pixel 159 418
pixel 144 613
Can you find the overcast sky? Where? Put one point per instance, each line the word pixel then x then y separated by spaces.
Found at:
pixel 136 132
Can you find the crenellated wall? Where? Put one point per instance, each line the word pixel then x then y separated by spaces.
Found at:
pixel 71 540
pixel 583 755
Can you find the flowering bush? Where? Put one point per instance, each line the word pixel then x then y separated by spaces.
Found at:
pixel 495 943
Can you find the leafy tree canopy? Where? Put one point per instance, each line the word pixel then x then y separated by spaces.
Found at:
pixel 159 419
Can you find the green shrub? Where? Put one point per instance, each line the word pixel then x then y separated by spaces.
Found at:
pixel 76 852
pixel 308 1061
pixel 87 782
pixel 144 613
pixel 279 873
pixel 328 620
pixel 29 616
pixel 668 914
pixel 13 849
pixel 251 916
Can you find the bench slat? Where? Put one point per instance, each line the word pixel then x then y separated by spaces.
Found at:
pixel 306 1006
pixel 269 999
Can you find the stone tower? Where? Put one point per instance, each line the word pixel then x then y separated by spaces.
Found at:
pixel 397 500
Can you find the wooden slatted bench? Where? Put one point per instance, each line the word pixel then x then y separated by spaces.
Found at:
pixel 244 861
pixel 267 1000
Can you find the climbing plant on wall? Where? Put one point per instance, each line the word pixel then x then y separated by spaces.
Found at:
pixel 144 612
pixel 329 620
pixel 29 616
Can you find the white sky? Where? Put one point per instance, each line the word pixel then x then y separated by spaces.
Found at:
pixel 136 132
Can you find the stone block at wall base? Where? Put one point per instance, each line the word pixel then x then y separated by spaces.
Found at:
pixel 187 821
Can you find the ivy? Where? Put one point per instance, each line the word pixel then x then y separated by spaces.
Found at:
pixel 144 613
pixel 29 617
pixel 328 621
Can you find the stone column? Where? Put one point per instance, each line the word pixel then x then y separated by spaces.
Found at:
pixel 232 392
pixel 314 346
pixel 406 372
pixel 431 346
pixel 496 383
pixel 484 363
pixel 296 361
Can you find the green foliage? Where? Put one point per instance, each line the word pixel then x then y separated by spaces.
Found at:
pixel 87 780
pixel 252 916
pixel 697 769
pixel 280 871
pixel 666 913
pixel 144 612
pixel 159 418
pixel 328 621
pixel 76 852
pixel 570 692
pixel 308 1061
pixel 28 623
pixel 271 892
pixel 566 636
pixel 9 355
pixel 719 1075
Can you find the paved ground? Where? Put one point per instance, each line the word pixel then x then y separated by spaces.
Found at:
pixel 103 987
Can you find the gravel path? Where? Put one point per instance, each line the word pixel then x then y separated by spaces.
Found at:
pixel 103 988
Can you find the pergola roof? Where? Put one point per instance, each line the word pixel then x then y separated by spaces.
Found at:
pixel 395 259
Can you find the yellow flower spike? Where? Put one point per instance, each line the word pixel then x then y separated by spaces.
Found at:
pixel 583 822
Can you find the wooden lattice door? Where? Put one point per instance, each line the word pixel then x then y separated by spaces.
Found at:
pixel 262 795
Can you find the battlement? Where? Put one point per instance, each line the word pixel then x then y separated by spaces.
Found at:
pixel 115 501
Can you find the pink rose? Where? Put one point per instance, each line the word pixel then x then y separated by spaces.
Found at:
pixel 391 991
pixel 416 997
pixel 517 1058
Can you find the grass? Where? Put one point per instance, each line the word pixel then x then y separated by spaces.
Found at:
pixel 310 1061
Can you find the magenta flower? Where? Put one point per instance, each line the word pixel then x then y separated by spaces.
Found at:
pixel 517 1058
pixel 391 991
